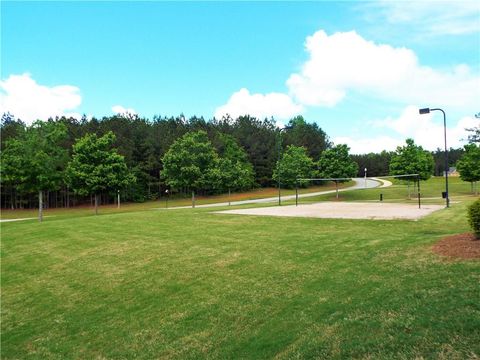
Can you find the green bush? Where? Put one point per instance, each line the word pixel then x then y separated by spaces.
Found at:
pixel 474 217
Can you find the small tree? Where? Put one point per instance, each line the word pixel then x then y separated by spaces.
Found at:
pixel 96 166
pixel 191 163
pixel 412 159
pixel 235 172
pixel 469 165
pixel 337 163
pixel 35 161
pixel 294 164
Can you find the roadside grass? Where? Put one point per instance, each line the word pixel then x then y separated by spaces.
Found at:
pixel 174 201
pixel 189 284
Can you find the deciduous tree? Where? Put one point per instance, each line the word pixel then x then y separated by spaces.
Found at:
pixel 96 166
pixel 190 163
pixel 412 159
pixel 469 165
pixel 337 163
pixel 294 164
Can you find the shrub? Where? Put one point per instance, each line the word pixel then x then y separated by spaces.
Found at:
pixel 474 217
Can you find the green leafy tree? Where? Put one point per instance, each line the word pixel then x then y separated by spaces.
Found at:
pixel 13 164
pixel 412 159
pixel 469 165
pixel 96 167
pixel 310 136
pixel 191 163
pixel 235 171
pixel 35 161
pixel 295 163
pixel 337 163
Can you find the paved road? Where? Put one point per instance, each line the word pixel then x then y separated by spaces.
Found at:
pixel 360 183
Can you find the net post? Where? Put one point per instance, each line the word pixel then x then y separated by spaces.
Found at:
pixel 418 188
pixel 296 192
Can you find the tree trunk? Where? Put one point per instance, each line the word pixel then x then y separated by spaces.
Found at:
pixel 12 198
pixel 96 204
pixel 40 206
pixel 193 199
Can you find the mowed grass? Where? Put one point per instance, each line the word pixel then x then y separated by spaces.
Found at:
pixel 189 284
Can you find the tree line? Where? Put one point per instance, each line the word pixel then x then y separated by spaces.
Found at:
pixel 143 143
pixel 72 161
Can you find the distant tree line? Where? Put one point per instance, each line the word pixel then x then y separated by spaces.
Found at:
pixel 65 161
pixel 143 144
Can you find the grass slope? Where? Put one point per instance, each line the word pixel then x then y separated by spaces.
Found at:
pixel 190 284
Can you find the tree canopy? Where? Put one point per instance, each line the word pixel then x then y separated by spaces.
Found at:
pixel 310 136
pixel 190 162
pixel 295 163
pixel 412 159
pixel 469 165
pixel 236 172
pixel 96 166
pixel 337 163
pixel 35 160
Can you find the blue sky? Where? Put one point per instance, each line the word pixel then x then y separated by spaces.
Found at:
pixel 358 69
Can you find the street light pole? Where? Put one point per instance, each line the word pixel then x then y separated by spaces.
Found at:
pixel 427 111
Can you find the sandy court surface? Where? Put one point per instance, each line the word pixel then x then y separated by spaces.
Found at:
pixel 344 210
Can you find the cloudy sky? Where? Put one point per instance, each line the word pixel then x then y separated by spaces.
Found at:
pixel 360 70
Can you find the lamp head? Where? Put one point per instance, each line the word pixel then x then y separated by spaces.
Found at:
pixel 424 111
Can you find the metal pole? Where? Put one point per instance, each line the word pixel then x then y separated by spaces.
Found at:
pixel 446 157
pixel 296 192
pixel 118 199
pixel 278 168
pixel 427 111
pixel 418 188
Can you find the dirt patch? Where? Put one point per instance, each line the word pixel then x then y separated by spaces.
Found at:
pixel 463 246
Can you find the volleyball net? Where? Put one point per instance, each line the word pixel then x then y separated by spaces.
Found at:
pixel 390 188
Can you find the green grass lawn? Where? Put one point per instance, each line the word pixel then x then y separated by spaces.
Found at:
pixel 191 284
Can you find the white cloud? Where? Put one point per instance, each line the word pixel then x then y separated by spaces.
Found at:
pixel 120 110
pixel 23 97
pixel 278 105
pixel 368 145
pixel 345 62
pixel 429 17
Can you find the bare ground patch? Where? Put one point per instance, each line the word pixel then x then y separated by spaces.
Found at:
pixel 343 210
pixel 461 246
